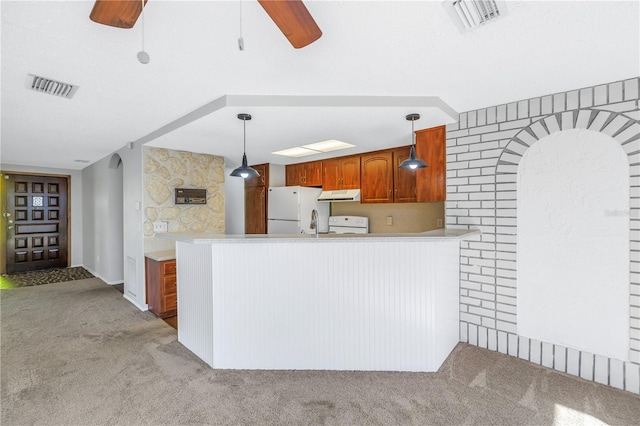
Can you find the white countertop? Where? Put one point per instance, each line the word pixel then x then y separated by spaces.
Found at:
pixel 209 238
pixel 160 256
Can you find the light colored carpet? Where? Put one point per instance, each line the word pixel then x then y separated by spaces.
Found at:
pixel 77 353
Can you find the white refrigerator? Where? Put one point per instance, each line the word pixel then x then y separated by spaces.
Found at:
pixel 289 210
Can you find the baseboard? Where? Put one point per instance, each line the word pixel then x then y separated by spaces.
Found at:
pixel 95 274
pixel 142 308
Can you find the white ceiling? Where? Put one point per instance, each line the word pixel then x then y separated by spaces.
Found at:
pixel 390 49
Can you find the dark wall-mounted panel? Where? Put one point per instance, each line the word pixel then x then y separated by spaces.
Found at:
pixel 191 196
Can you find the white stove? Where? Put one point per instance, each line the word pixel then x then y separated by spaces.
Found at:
pixel 348 225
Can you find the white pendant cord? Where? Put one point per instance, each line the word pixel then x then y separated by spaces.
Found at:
pixel 240 39
pixel 143 57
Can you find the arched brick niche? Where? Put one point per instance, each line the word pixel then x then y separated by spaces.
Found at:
pixel 626 131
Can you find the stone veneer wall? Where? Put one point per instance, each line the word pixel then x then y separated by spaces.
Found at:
pixel 165 170
pixel 483 152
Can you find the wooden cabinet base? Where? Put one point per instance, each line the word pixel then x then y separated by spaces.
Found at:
pixel 161 283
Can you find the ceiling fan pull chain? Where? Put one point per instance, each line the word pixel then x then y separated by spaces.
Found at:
pixel 143 57
pixel 240 39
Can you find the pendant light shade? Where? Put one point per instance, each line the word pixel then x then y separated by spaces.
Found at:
pixel 412 162
pixel 244 171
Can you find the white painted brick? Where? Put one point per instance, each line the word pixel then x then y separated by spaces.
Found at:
pixel 506 326
pixel 457 166
pixel 488 204
pixel 559 102
pixel 510 158
pixel 482 262
pixel 481 196
pixel 484 129
pixel 505 255
pixel 482 279
pixel 506 273
pixel 451 158
pixel 504 142
pixel 503 134
pixel 552 124
pixel 518 148
pixel 458 181
pixel 634 356
pixel 488 187
pixel 523 109
pixel 457 196
pixel 451 142
pixel 452 127
pixel 573 362
pixel 526 137
pixel 470 172
pixel 492 336
pixel 535 351
pixel 482 337
pixel 616 373
pixel 507 230
pixel 538 130
pixel 512 111
pixel 506 264
pixel 534 107
pixel 451 221
pixel 506 291
pixel 502 307
pixel 491 115
pixel 507 186
pixel 506 195
pixel 471 119
pixel 634 344
pixel 463 332
pixel 468 139
pixel 508 213
pixel 469 301
pixel 472 269
pixel 482 179
pixel 512 177
pixel 634 115
pixel 506 247
pixel 469 221
pixel 469 156
pixel 469 188
pixel 632 377
pixel 621 106
pixel 567 120
pixel 483 163
pixel 457 149
pixel 507 169
pixel 457 133
pixel 560 358
pixel 615 92
pixel 573 100
pixel 488 221
pixel 502 342
pixel 599 121
pixel 488 305
pixel 492 153
pixel 582 122
pixel 512 344
pixel 586 365
pixel 503 316
pixel 628 133
pixel 600 95
pixel 501 111
pixel 482 246
pixel 462 119
pixel 471 320
pixel 469 252
pixel 586 97
pixel 547 355
pixel 488 271
pixel 631 89
pixel 523 350
pixel 601 370
pixel 468 204
pixel 473 334
pixel 490 170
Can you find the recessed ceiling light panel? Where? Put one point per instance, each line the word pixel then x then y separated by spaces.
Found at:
pixel 328 145
pixel 296 152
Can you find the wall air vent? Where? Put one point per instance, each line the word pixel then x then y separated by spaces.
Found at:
pixel 51 87
pixel 470 14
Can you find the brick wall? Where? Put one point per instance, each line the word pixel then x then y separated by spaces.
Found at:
pixel 483 152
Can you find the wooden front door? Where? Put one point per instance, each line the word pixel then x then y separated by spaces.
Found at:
pixel 35 222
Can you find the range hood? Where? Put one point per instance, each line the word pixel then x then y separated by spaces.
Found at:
pixel 340 195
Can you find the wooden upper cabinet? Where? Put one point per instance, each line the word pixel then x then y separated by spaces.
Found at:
pixel 431 182
pixel 263 170
pixel 304 174
pixel 341 173
pixel 404 181
pixel 377 177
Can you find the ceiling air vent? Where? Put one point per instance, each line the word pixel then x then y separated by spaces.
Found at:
pixel 51 87
pixel 470 14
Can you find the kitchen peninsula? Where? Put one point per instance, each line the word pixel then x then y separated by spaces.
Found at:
pixel 334 302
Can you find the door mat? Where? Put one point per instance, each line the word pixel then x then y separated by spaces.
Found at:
pixel 45 276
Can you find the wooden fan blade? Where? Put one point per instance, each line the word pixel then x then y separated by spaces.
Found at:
pixel 294 20
pixel 116 13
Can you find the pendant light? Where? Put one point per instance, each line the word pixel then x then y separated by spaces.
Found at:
pixel 412 162
pixel 244 171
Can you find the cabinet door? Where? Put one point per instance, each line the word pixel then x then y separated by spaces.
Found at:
pixel 312 173
pixel 263 170
pixel 431 147
pixel 292 175
pixel 404 181
pixel 255 210
pixel 350 178
pixel 331 174
pixel 377 177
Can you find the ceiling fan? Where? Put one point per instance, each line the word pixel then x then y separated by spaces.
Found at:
pixel 291 16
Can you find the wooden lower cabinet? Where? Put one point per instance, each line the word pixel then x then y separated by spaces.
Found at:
pixel 161 282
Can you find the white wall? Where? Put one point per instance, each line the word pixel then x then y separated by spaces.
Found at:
pixel 233 203
pixel 572 255
pixel 103 222
pixel 75 196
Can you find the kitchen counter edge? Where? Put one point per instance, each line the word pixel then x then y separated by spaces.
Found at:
pixel 210 238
